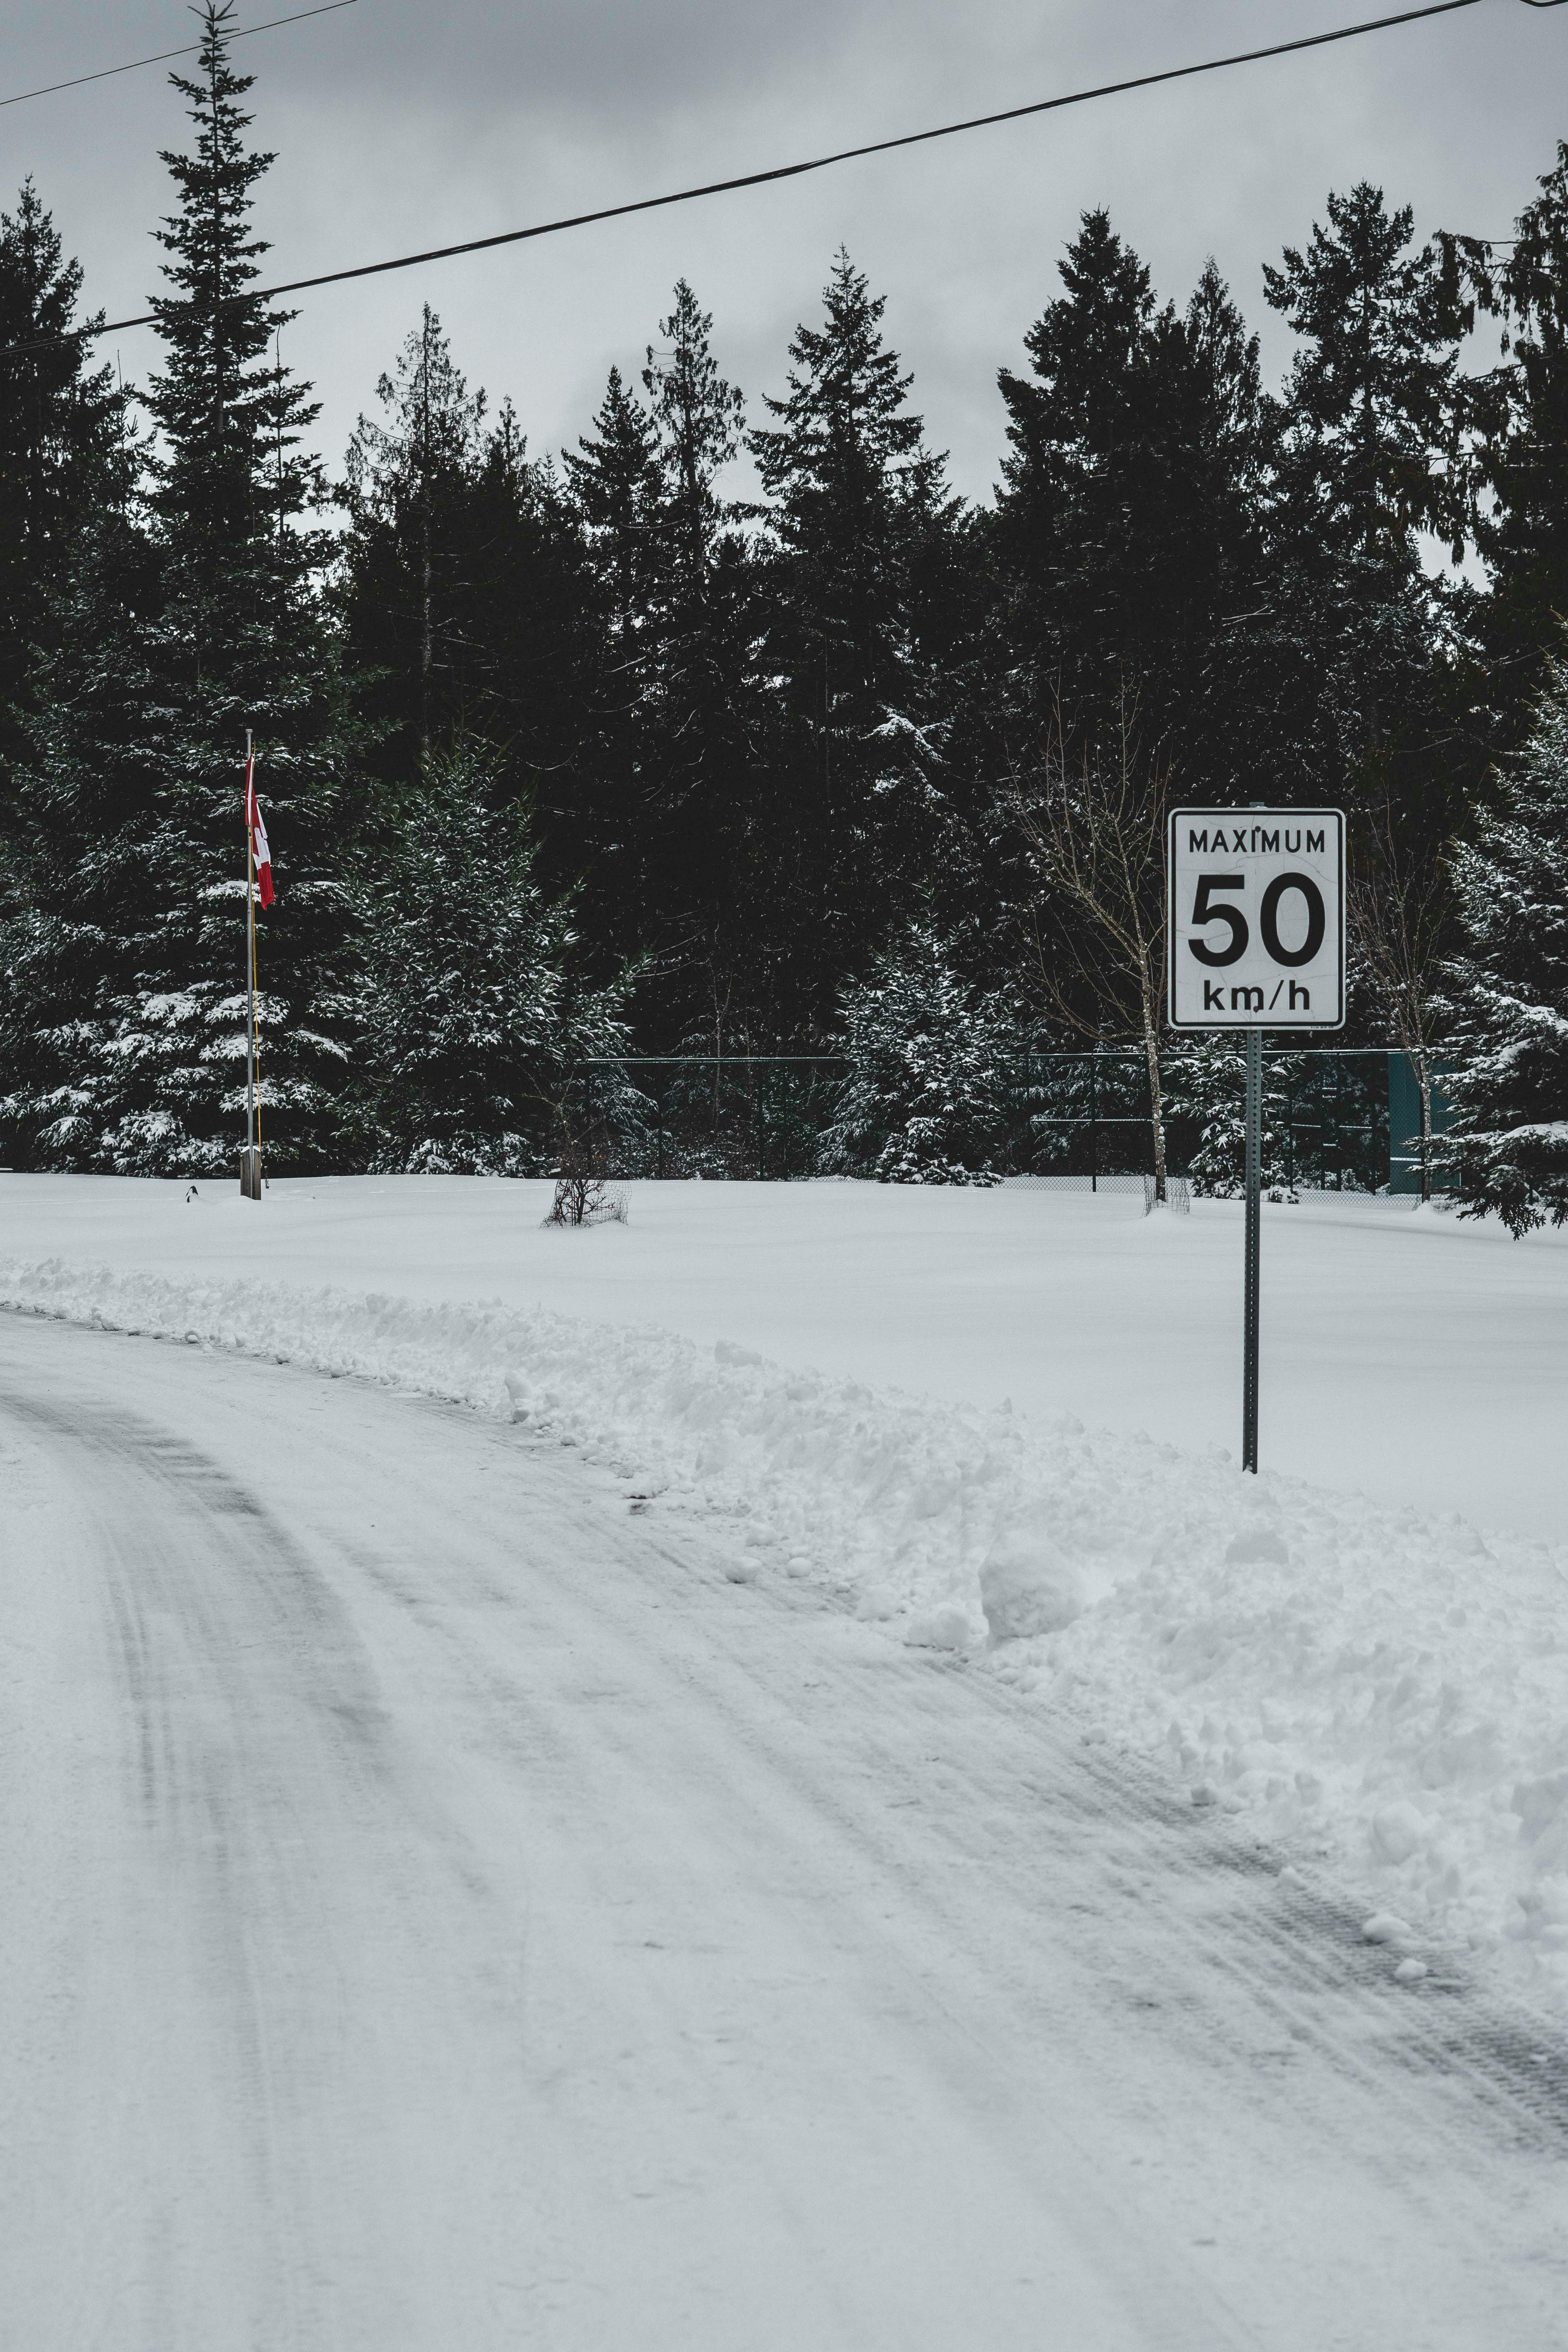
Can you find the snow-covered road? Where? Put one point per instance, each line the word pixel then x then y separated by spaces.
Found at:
pixel 441 1910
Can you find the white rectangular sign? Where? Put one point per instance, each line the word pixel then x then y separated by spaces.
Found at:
pixel 1255 919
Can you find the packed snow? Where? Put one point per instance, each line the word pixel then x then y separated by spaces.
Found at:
pixel 1377 1688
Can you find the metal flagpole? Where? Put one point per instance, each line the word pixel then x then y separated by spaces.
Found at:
pixel 1254 1236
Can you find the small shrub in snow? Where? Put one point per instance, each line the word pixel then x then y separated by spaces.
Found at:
pixel 584 1200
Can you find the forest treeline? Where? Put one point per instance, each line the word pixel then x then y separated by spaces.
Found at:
pixel 578 754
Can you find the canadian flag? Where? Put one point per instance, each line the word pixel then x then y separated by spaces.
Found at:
pixel 258 832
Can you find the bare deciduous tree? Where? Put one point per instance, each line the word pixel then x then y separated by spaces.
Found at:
pixel 1096 836
pixel 1400 908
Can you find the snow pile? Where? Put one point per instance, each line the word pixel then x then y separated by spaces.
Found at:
pixel 1383 1691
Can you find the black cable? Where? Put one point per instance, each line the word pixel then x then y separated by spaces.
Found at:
pixel 788 171
pixel 240 33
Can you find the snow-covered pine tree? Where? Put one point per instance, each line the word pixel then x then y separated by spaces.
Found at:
pixel 61 424
pixel 76 865
pixel 82 582
pixel 1206 1084
pixel 1509 991
pixel 475 1023
pixel 240 641
pixel 1520 414
pixel 932 1071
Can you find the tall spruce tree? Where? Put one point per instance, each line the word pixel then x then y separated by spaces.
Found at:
pixel 462 584
pixel 1521 422
pixel 61 424
pixel 1508 1029
pixel 1354 630
pixel 76 865
pixel 701 765
pixel 616 482
pixel 149 736
pixel 1127 522
pixel 859 524
pixel 408 486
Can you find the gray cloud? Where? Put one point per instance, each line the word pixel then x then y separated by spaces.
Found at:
pixel 400 124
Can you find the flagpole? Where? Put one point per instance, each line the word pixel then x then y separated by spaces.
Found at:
pixel 252 1038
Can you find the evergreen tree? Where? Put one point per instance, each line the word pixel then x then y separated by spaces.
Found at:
pixel 1127 522
pixel 529 616
pixel 407 490
pixel 474 1022
pixel 1207 1085
pixel 79 862
pixel 859 524
pixel 932 1071
pixel 1509 987
pixel 698 419
pixel 151 733
pixel 700 762
pixel 1355 633
pixel 614 479
pixel 1520 419
pixel 463 588
pixel 60 428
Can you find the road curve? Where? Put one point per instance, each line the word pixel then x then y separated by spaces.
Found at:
pixel 440 1913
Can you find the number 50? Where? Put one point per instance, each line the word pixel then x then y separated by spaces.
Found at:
pixel 1205 911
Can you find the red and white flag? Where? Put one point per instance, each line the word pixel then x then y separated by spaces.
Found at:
pixel 259 852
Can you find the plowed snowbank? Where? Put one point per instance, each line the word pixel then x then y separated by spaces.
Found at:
pixel 1385 1693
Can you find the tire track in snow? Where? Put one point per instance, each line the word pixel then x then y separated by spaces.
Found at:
pixel 815 1936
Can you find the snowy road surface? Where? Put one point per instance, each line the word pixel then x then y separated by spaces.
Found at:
pixel 440 1910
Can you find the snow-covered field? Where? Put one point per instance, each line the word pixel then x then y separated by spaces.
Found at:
pixel 995 1425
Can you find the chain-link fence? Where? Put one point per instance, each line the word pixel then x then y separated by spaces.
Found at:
pixel 731 1116
pixel 1073 1117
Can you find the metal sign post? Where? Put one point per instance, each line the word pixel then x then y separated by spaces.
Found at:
pixel 1255 939
pixel 1254 1236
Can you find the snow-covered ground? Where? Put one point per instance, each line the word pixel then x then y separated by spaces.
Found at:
pixel 1405 1353
pixel 995 1425
pixel 440 1907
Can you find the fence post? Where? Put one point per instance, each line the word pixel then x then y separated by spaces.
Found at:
pixel 1094 1121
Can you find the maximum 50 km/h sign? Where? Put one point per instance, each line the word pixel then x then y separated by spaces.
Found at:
pixel 1256 919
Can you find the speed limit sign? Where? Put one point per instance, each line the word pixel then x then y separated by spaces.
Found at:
pixel 1256 925
pixel 1255 932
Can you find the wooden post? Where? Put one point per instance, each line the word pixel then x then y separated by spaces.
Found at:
pixel 250 1160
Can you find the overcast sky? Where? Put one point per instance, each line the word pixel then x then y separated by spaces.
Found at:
pixel 404 123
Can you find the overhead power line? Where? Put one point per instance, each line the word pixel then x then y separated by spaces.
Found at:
pixel 794 171
pixel 240 33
